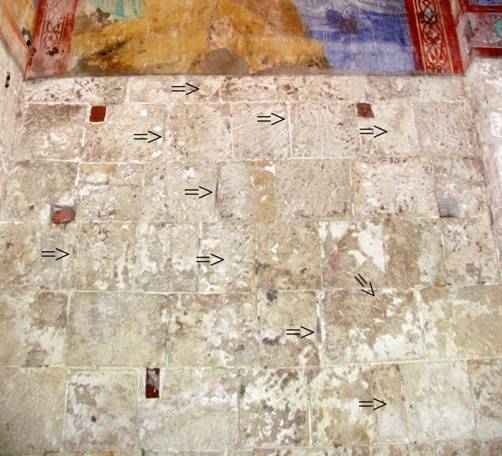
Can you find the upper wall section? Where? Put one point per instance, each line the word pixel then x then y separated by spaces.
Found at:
pixel 17 21
pixel 105 37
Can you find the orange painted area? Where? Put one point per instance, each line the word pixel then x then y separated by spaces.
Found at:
pixel 180 36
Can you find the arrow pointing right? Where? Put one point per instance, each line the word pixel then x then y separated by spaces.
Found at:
pixel 382 131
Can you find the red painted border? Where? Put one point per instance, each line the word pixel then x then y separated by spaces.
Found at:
pixel 488 52
pixel 483 9
pixel 415 35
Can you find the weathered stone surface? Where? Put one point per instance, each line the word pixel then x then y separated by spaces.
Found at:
pixel 246 191
pixel 252 139
pixel 288 256
pixel 349 249
pixel 470 251
pixel 113 140
pixel 322 131
pixel 313 189
pixel 199 132
pixel 438 401
pixel 61 90
pixel 127 329
pixel 414 253
pixel 462 322
pixel 105 91
pixel 486 384
pixel 395 187
pixel 32 403
pixel 170 265
pixel 101 410
pixel 261 88
pixel 460 180
pixel 197 411
pixel 103 256
pixel 32 187
pixel 395 116
pixel 21 265
pixel 273 408
pixel 110 192
pixel 365 328
pixel 51 131
pixel 280 311
pixel 33 327
pixel 212 330
pixel 164 195
pixel 445 128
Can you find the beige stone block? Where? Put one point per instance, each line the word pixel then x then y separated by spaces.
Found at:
pixel 32 404
pixel 32 187
pixel 280 311
pixel 33 328
pixel 246 191
pixel 255 88
pixel 336 418
pixel 116 329
pixel 349 249
pixel 463 447
pixel 217 330
pixel 273 408
pixel 103 256
pixel 113 140
pixel 421 449
pixel 199 132
pixel 486 384
pixel 462 322
pixel 60 90
pixel 152 89
pixel 324 130
pixel 396 187
pixel 413 253
pixel 21 265
pixel 164 194
pixel 258 140
pixel 197 411
pixel 446 128
pixel 470 251
pixel 165 257
pixel 395 116
pixel 314 189
pixel 461 181
pixel 236 244
pixel 364 328
pixel 438 401
pixel 101 91
pixel 110 192
pixel 288 256
pixel 51 131
pixel 101 410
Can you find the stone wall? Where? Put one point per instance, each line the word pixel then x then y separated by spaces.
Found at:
pixel 10 107
pixel 484 87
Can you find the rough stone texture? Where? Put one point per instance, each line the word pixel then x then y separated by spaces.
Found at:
pixel 439 403
pixel 197 411
pixel 101 410
pixel 32 403
pixel 110 329
pixel 212 330
pixel 297 211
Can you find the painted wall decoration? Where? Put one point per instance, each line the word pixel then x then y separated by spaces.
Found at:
pixel 105 37
pixel 17 21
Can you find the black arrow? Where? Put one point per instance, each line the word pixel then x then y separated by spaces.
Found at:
pixel 195 192
pixel 183 88
pixel 53 254
pixel 144 136
pixel 297 332
pixel 374 131
pixel 269 119
pixel 360 279
pixel 206 259
pixel 375 404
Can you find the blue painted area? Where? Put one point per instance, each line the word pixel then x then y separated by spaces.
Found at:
pixel 364 35
pixel 122 9
pixel 486 2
